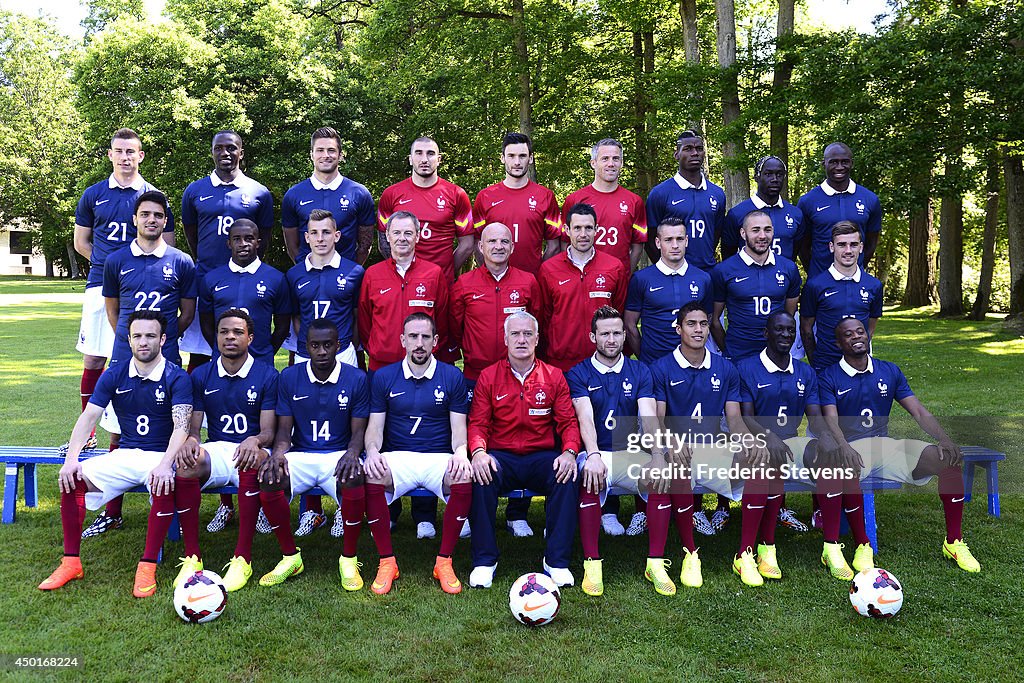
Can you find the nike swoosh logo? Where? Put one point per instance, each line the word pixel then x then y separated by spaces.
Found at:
pixel 664 507
pixel 587 505
pixel 828 294
pixel 478 296
pixel 497 202
pixel 655 289
pixel 684 509
pixel 678 381
pixel 590 388
pixel 741 279
pixel 562 282
pixel 125 272
pixel 385 291
pixel 677 201
pixel 164 514
pixel 302 285
pixel 207 392
pixel 821 208
pixel 181 512
pixel 853 510
pixel 217 289
pixel 461 519
pixel 373 521
pixel 530 608
pixel 392 394
pixel 755 507
pixel 762 386
pixel 883 601
pixel 403 201
pixel 100 202
pixel 348 523
pixel 298 398
pixel 197 598
pixel 308 201
pixel 203 199
pixel 844 391
pixel 121 391
pixel 250 494
pixel 959 500
pixel 500 396
pixel 274 527
pixel 833 495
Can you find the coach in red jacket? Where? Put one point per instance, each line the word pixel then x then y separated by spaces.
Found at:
pixel 521 417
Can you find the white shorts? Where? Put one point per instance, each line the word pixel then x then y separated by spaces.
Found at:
pixel 347 356
pixel 95 335
pixel 109 420
pixel 620 465
pixel 891 459
pixel 706 466
pixel 222 466
pixel 797 352
pixel 292 342
pixel 117 472
pixel 193 340
pixel 310 470
pixel 414 470
pixel 798 444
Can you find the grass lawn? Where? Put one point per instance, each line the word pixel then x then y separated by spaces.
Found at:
pixel 953 626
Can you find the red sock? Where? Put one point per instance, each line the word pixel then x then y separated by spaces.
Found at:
pixel 187 499
pixel 830 497
pixel 315 504
pixel 455 514
pixel 853 506
pixel 640 504
pixel 248 512
pixel 72 514
pixel 275 505
pixel 194 362
pixel 88 385
pixel 659 512
pixel 353 507
pixel 753 511
pixel 378 518
pixel 590 523
pixel 683 505
pixel 228 500
pixel 160 517
pixel 113 508
pixel 951 493
pixel 770 520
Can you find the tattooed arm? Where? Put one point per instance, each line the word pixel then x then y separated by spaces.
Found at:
pixel 161 479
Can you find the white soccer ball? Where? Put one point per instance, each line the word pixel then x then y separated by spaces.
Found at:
pixel 876 593
pixel 201 598
pixel 534 599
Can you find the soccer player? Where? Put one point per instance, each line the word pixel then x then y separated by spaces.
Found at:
pixel 154 400
pixel 842 291
pixel 694 389
pixel 621 216
pixel 787 220
pixel 103 225
pixel 856 395
pixel 401 284
pixel 573 285
pixel 416 437
pixel 529 210
pixel 327 189
pixel 322 409
pixel 837 199
pixel 777 392
pixel 689 195
pixel 442 209
pixel 607 390
pixel 208 208
pixel 521 412
pixel 236 395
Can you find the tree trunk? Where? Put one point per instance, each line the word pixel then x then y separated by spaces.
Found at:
pixel 691 39
pixel 783 74
pixel 951 215
pixel 988 240
pixel 919 263
pixel 643 111
pixel 737 182
pixel 522 54
pixel 1013 166
pixel 72 261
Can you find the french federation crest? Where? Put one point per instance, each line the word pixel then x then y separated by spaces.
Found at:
pixel 627 387
pixel 421 289
pixel 439 395
pixel 781 279
pixel 246 199
pixel 342 401
pixel 160 394
pixel 714 203
pixel 344 202
pixel 716 384
pixel 800 386
pixel 532 201
pixel 624 208
pixel 864 294
pixel 261 289
pixel 168 271
pixel 860 207
pixel 694 290
pixel 600 280
pixel 514 296
pixel 440 203
pixel 789 220
pixel 251 395
pixel 341 282
pixel 540 396
pixel 883 388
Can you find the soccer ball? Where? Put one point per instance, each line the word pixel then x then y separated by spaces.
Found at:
pixel 534 599
pixel 876 593
pixel 201 598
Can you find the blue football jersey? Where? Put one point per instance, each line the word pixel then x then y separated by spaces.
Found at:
pixel 863 399
pixel 143 404
pixel 780 395
pixel 212 206
pixel 823 208
pixel 260 290
pixel 232 403
pixel 322 411
pixel 702 207
pixel 351 204
pixel 829 300
pixel 695 398
pixel 751 293
pixel 657 297
pixel 787 226
pixel 331 292
pixel 418 410
pixel 155 282
pixel 613 394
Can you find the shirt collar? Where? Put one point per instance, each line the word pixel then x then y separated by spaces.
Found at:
pixel 604 369
pixel 761 204
pixel 429 374
pixel 136 185
pixel 333 185
pixel 770 366
pixel 839 277
pixel 522 377
pixel 237 182
pixel 748 259
pixel 685 364
pixel 500 276
pixel 831 191
pixel 569 253
pixel 665 270
pixel 251 268
pixel 685 184
pixel 243 371
pixel 161 249
pixel 331 379
pixel 852 371
pixel 335 262
pixel 154 375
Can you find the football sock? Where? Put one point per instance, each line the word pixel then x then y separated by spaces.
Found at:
pixel 113 508
pixel 640 503
pixel 228 500
pixel 951 493
pixel 378 518
pixel 194 363
pixel 275 505
pixel 353 508
pixel 770 519
pixel 187 499
pixel 160 517
pixel 88 385
pixel 590 523
pixel 248 512
pixel 455 514
pixel 683 505
pixel 72 514
pixel 830 497
pixel 315 504
pixel 853 506
pixel 659 512
pixel 753 510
